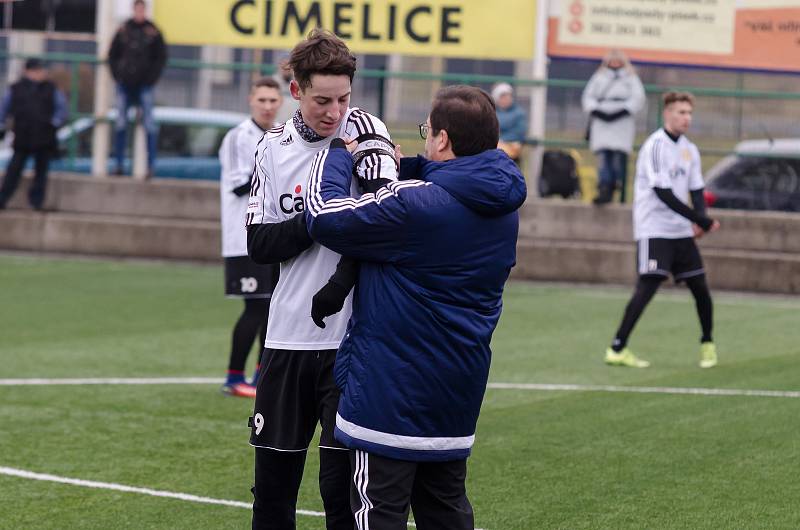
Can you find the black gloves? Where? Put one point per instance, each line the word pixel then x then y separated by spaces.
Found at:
pixel 609 116
pixel 328 301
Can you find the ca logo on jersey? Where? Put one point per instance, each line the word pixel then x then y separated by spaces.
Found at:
pixel 292 202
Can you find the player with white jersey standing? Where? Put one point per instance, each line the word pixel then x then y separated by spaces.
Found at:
pixel 244 278
pixel 296 389
pixel 668 176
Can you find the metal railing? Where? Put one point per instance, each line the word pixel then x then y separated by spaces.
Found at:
pixel 568 135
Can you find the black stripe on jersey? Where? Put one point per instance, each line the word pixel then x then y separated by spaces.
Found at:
pixel 233 159
pixel 656 155
pixel 314 193
pixel 255 182
pixel 278 129
pixel 364 119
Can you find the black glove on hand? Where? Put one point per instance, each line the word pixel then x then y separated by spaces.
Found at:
pixel 328 301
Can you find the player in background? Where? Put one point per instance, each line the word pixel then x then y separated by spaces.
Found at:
pixel 668 175
pixel 244 278
pixel 296 388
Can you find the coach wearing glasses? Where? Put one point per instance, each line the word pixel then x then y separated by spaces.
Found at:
pixel 435 249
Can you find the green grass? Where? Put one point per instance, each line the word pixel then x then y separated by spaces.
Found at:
pixel 567 460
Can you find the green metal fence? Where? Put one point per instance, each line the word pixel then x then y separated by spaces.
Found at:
pixel 76 67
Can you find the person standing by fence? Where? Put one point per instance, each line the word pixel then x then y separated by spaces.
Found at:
pixel 612 97
pixel 136 58
pixel 37 108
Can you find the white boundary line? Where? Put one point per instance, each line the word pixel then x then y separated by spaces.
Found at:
pixel 648 390
pixel 21 473
pixel 544 387
pixel 114 381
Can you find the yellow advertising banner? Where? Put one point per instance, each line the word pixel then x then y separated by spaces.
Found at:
pixel 686 25
pixel 500 29
pixel 752 34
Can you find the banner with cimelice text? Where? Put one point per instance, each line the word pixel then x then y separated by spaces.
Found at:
pixel 496 29
pixel 751 34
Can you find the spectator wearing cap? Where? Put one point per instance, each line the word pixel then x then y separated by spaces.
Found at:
pixel 36 108
pixel 512 119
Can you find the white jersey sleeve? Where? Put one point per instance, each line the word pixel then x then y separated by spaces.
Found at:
pixel 657 163
pixel 262 206
pixel 696 173
pixel 374 156
pixel 236 157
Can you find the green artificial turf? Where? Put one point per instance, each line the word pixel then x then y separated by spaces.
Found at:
pixel 542 459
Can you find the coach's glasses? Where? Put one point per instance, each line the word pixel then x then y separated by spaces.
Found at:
pixel 423 130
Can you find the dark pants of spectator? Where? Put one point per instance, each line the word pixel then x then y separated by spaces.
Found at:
pixel 613 172
pixel 137 96
pixel 14 173
pixel 383 489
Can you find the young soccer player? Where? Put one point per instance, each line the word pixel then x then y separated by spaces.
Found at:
pixel 668 175
pixel 244 278
pixel 296 389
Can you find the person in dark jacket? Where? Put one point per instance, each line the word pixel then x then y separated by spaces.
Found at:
pixel 435 251
pixel 37 109
pixel 136 58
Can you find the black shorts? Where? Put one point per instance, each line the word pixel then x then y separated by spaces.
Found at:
pixel 295 391
pixel 247 279
pixel 662 257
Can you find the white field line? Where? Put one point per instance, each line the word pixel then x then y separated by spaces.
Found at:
pixel 648 390
pixel 114 381
pixel 543 387
pixel 21 473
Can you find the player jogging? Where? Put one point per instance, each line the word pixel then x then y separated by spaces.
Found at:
pixel 668 174
pixel 296 389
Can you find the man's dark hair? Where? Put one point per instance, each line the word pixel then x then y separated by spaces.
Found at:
pixel 321 53
pixel 34 64
pixel 674 97
pixel 267 82
pixel 139 2
pixel 469 116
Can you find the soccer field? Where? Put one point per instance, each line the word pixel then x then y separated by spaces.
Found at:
pixel 609 448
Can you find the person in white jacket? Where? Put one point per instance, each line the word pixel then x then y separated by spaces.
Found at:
pixel 612 98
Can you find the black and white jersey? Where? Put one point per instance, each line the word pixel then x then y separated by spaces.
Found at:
pixel 664 163
pixel 237 158
pixel 278 188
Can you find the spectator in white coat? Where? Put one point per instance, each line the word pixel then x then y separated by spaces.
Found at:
pixel 612 98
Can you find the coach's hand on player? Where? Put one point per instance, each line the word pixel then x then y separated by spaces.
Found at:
pixel 328 301
pixel 351 144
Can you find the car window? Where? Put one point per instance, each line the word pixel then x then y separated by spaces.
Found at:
pixel 785 176
pixel 743 173
pixel 205 140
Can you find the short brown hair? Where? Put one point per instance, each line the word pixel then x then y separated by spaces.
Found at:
pixel 668 98
pixel 469 116
pixel 267 82
pixel 321 53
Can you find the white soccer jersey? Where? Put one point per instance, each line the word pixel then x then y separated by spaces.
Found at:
pixel 664 163
pixel 237 155
pixel 283 165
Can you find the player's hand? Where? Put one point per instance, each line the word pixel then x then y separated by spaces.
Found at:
pixel 398 154
pixel 328 301
pixel 351 144
pixel 714 226
pixel 698 232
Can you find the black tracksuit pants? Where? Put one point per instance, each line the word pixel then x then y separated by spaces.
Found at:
pixel 383 489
